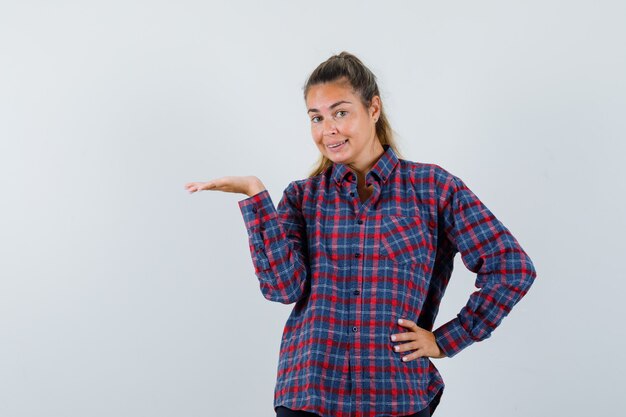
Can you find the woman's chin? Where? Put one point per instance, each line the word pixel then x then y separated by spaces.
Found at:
pixel 339 157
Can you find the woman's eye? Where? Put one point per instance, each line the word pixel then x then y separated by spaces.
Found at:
pixel 341 113
pixel 315 119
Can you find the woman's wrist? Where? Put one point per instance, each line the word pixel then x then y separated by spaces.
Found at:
pixel 255 188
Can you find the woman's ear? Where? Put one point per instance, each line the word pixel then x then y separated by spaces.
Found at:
pixel 375 108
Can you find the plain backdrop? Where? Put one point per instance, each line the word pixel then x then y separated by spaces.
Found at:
pixel 123 295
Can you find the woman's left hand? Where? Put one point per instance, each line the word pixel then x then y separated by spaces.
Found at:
pixel 420 341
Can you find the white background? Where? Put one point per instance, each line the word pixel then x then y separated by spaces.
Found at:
pixel 123 295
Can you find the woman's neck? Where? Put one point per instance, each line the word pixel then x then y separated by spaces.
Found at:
pixel 362 168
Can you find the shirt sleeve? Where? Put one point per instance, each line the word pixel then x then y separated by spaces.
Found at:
pixel 277 241
pixel 504 272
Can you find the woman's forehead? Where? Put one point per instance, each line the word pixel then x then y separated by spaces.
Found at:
pixel 322 96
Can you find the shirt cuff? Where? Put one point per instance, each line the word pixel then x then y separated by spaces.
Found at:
pixel 260 218
pixel 452 337
pixel 255 207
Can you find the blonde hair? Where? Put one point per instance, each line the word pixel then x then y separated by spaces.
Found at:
pixel 347 66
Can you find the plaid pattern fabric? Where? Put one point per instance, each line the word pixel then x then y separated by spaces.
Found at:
pixel 352 269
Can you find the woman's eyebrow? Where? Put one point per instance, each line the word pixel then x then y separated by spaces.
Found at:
pixel 332 106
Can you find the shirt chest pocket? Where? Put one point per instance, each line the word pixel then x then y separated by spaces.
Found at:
pixel 403 239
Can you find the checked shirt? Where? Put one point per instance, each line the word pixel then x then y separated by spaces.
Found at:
pixel 353 268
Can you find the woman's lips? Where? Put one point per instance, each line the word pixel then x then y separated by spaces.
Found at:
pixel 337 147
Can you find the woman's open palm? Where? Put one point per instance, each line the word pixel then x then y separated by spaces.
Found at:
pixel 229 184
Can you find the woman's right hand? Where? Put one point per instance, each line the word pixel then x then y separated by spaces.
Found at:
pixel 249 185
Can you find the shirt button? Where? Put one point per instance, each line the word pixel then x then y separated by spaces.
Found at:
pixel 359 221
pixel 351 193
pixel 254 209
pixel 384 178
pixel 357 292
pixel 356 255
pixel 355 329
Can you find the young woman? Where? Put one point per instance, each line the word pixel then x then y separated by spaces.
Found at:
pixel 364 247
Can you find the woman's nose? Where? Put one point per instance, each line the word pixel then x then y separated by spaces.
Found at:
pixel 329 126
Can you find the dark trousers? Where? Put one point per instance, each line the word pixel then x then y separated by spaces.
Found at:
pixel 288 412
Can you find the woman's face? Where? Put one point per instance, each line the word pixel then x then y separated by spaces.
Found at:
pixel 338 116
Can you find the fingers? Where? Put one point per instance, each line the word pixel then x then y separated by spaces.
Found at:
pixel 414 355
pixel 192 187
pixel 406 346
pixel 414 348
pixel 203 186
pixel 416 340
pixel 231 184
pixel 411 325
pixel 408 323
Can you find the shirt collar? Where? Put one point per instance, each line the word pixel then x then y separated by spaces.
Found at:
pixel 381 171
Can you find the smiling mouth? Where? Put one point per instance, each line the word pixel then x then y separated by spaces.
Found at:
pixel 336 145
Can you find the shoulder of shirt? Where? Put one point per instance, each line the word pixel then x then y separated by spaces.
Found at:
pixel 419 170
pixel 299 185
pixel 429 174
